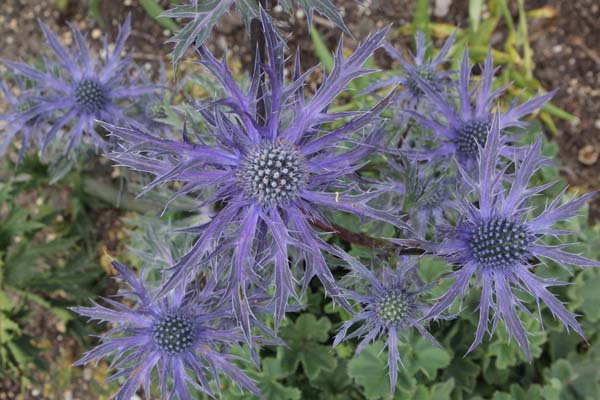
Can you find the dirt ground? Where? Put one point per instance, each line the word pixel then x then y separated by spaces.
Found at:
pixel 566 52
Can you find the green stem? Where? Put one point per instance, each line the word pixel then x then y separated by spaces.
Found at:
pixel 111 195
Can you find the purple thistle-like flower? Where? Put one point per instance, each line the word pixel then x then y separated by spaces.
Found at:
pixel 497 241
pixel 429 194
pixel 461 130
pixel 391 306
pixel 184 338
pixel 20 120
pixel 273 177
pixel 153 109
pixel 426 68
pixel 78 89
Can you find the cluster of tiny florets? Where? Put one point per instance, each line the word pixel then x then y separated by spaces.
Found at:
pixel 436 197
pixel 173 334
pixel 471 134
pixel 272 173
pixel 425 73
pixel 90 95
pixel 155 111
pixel 393 307
pixel 499 242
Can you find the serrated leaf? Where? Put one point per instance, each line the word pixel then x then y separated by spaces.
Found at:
pixel 327 9
pixel 204 17
pixel 508 353
pixel 585 294
pixel 585 366
pixel 333 382
pixel 422 356
pixel 561 370
pixel 464 372
pixel 303 339
pixel 369 369
pixel 269 385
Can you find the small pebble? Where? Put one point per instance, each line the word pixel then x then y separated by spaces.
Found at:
pixel 587 155
pixel 441 8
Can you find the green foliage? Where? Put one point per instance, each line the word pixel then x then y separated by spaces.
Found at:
pixel 304 339
pixel 369 370
pixel 45 264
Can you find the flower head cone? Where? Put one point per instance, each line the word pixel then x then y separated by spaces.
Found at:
pixel 152 110
pixel 421 65
pixel 273 175
pixel 461 130
pixel 391 306
pixel 499 242
pixel 423 191
pixel 181 337
pixel 20 118
pixel 79 89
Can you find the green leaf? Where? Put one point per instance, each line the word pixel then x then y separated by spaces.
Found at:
pixel 421 19
pixel 206 16
pixel 269 383
pixel 561 370
pixel 585 295
pixel 154 10
pixel 303 339
pixel 333 382
pixel 422 356
pixel 22 265
pixel 464 371
pixel 369 369
pixel 321 50
pixel 327 9
pixel 508 353
pixel 475 8
pixel 442 390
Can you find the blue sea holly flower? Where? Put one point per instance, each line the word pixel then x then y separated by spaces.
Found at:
pixel 80 87
pixel 461 130
pixel 22 117
pixel 391 306
pixel 153 109
pixel 180 337
pixel 424 191
pixel 427 68
pixel 273 177
pixel 499 242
